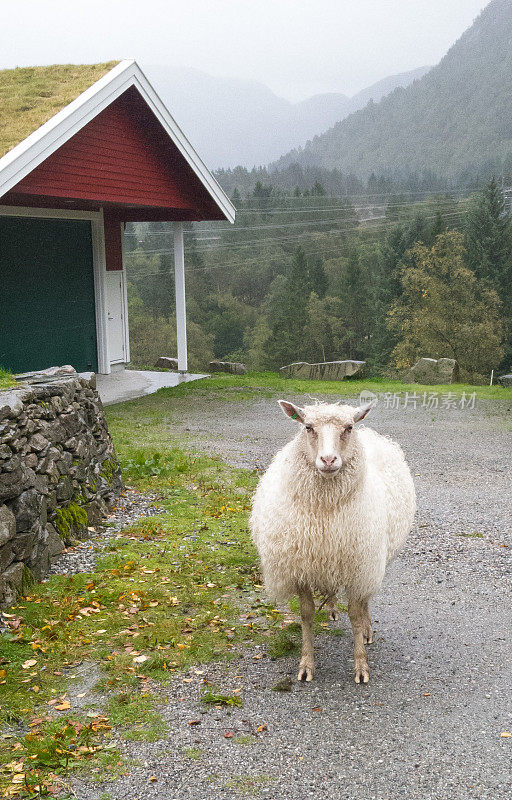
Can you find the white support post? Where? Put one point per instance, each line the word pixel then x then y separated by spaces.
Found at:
pixel 181 310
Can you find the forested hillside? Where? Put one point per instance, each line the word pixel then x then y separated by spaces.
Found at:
pixel 455 122
pixel 305 276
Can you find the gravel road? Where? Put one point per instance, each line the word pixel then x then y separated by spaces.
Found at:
pixel 429 724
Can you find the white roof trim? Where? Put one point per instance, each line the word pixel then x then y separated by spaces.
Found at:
pixel 37 147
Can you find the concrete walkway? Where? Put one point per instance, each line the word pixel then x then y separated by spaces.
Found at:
pixel 128 384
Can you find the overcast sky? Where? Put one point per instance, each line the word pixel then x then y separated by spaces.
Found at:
pixel 296 47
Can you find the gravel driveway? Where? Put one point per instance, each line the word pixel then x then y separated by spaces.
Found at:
pixel 429 724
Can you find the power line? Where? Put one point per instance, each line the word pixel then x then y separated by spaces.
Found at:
pixel 242 229
pixel 379 223
pixel 208 268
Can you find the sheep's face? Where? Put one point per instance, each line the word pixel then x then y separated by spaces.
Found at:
pixel 328 433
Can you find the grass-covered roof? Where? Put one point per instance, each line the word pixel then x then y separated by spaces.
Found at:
pixel 30 96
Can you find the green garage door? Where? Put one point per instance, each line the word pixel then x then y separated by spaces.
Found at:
pixel 47 314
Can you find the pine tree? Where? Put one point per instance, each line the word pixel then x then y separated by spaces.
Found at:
pixel 318 280
pixel 489 252
pixel 287 314
pixel 489 239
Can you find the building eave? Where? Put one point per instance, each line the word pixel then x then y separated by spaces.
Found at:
pixel 37 147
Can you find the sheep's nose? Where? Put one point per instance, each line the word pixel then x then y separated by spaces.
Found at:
pixel 328 460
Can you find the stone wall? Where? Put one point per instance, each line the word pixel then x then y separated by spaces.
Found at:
pixel 58 471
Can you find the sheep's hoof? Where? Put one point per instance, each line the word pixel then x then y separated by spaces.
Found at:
pixel 333 615
pixel 306 672
pixel 362 672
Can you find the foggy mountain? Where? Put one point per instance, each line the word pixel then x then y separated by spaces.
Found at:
pixel 233 122
pixel 454 122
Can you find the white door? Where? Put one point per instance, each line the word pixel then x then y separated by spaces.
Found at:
pixel 115 316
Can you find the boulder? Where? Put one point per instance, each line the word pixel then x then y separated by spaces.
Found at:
pixel 233 367
pixel 432 372
pixel 324 371
pixel 165 362
pixel 505 380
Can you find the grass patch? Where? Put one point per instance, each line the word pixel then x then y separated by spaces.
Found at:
pixel 167 593
pixel 249 784
pixel 244 387
pixel 194 753
pixel 29 96
pixel 244 739
pixel 134 714
pixel 213 697
pixel 285 643
pixel 6 378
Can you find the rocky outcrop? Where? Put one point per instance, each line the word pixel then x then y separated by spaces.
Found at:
pixel 324 371
pixel 233 367
pixel 164 362
pixel 505 380
pixel 432 372
pixel 58 471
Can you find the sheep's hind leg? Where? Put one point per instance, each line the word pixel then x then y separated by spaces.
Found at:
pixel 367 625
pixel 358 614
pixel 332 608
pixel 307 613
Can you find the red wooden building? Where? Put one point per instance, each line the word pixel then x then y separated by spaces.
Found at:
pixel 112 155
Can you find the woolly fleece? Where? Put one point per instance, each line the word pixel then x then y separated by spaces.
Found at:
pixel 332 533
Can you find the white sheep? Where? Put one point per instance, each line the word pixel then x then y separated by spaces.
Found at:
pixel 330 512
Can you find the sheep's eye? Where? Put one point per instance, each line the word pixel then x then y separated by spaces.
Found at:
pixel 348 428
pixel 309 428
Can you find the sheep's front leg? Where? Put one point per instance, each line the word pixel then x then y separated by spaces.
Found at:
pixel 307 613
pixel 359 617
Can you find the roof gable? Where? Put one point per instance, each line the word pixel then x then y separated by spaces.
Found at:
pixel 53 134
pixel 124 157
pixel 30 96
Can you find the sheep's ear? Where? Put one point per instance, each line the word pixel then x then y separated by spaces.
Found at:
pixel 292 411
pixel 361 412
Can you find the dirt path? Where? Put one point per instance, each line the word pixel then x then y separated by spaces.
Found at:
pixel 429 724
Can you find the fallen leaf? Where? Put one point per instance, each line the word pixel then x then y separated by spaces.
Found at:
pixel 261 728
pixel 506 735
pixel 30 663
pixel 153 778
pixel 63 706
pixel 316 708
pixel 194 721
pixel 140 659
pixel 228 735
